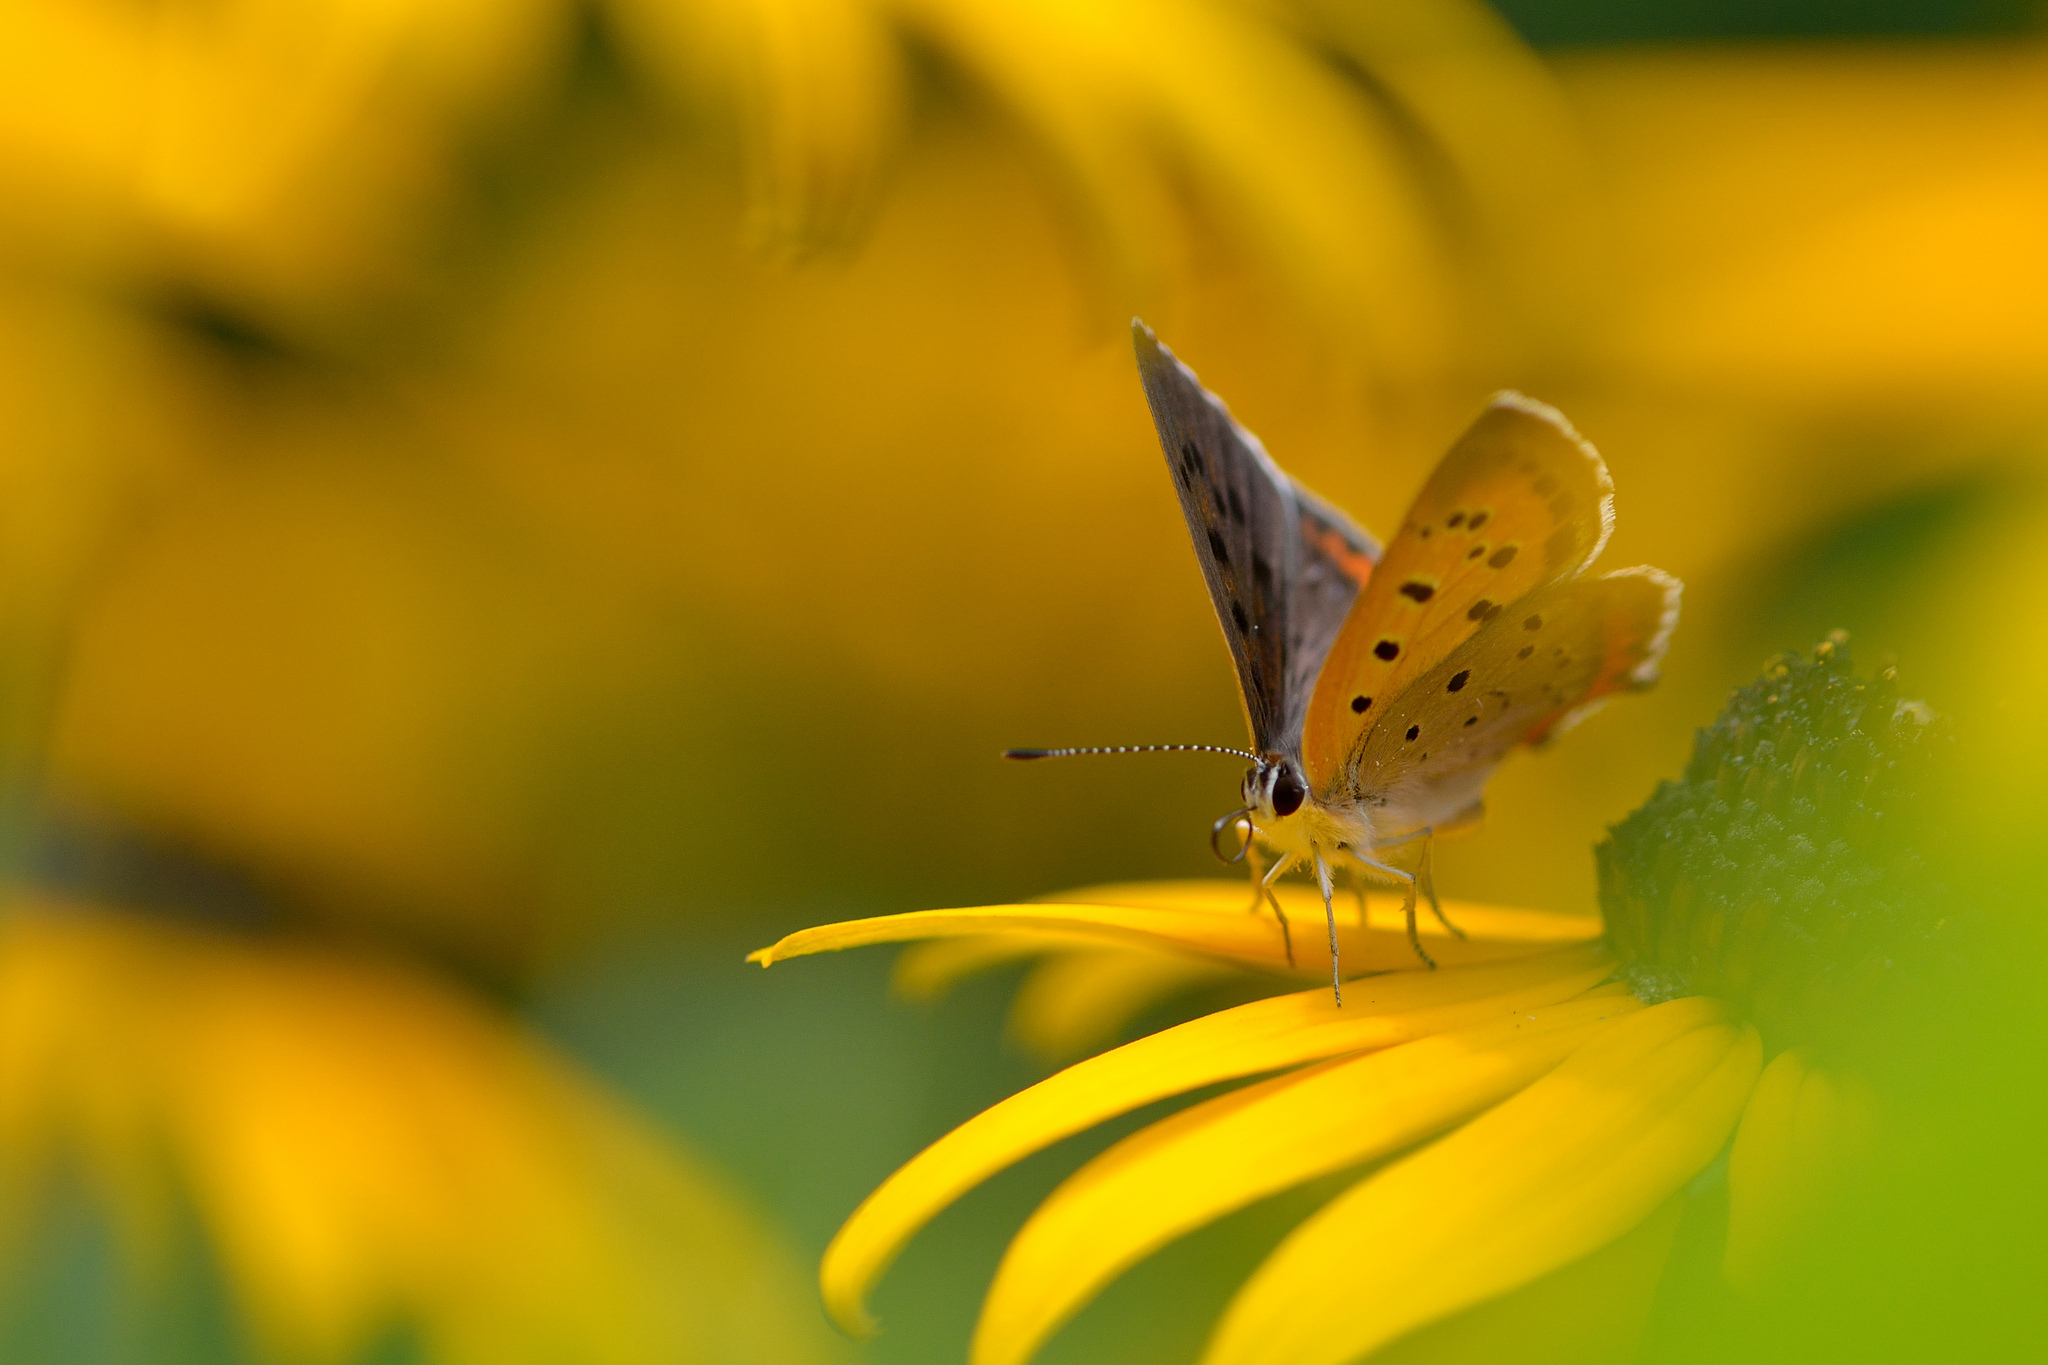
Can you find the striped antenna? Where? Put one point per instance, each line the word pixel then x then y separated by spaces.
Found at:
pixel 1027 754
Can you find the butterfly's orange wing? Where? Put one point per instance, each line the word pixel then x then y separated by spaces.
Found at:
pixel 1556 655
pixel 1520 501
pixel 1637 609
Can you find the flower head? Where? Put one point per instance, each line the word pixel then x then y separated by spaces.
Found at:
pixel 1539 1096
pixel 1783 871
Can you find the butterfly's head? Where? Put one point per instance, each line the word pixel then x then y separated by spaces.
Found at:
pixel 1274 790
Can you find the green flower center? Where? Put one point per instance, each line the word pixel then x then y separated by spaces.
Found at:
pixel 1784 871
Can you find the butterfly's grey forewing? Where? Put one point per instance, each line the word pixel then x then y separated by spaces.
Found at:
pixel 1336 559
pixel 1282 565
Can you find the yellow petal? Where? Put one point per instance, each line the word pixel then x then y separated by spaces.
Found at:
pixel 1265 1035
pixel 818 85
pixel 1496 114
pixel 1798 1127
pixel 1204 1162
pixel 1073 1004
pixel 1203 927
pixel 1505 924
pixel 1241 938
pixel 1564 1167
pixel 1247 120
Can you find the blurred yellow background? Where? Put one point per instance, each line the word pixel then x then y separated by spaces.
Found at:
pixel 525 502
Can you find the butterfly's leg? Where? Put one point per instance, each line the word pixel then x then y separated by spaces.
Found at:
pixel 1425 873
pixel 1407 881
pixel 1330 917
pixel 1264 890
pixel 1358 885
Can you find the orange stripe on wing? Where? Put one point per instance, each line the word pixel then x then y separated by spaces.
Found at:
pixel 1356 567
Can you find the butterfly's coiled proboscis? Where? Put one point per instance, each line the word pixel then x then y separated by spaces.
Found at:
pixel 1225 822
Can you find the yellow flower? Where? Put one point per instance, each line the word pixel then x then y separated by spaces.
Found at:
pixel 366 1151
pixel 1409 1054
pixel 1539 1096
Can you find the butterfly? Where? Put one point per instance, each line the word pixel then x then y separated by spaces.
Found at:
pixel 1384 685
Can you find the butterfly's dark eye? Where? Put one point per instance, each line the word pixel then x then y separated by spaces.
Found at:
pixel 1289 791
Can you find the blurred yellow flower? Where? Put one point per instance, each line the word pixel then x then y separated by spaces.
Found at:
pixel 284 152
pixel 1137 105
pixel 367 1150
pixel 1562 1094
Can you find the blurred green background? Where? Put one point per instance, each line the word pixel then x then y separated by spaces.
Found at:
pixel 529 502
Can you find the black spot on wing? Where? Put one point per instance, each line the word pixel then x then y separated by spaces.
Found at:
pixel 1458 680
pixel 1525 651
pixel 1456 518
pixel 1532 623
pixel 1418 590
pixel 1389 650
pixel 1237 614
pixel 1359 704
pixel 1216 546
pixel 1480 610
pixel 1478 519
pixel 1413 731
pixel 1502 557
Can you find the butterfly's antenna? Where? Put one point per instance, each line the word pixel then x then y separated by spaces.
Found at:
pixel 1130 749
